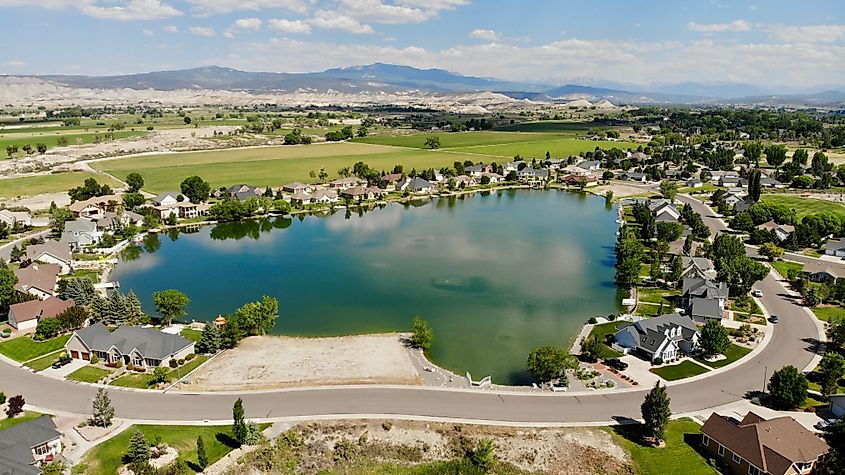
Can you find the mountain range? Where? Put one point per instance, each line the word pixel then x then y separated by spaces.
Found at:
pixel 380 78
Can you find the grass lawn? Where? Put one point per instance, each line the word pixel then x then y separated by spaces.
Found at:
pixel 804 206
pixel 558 126
pixel 814 380
pixel 89 374
pixel 44 362
pixel 747 306
pixel 560 148
pixel 142 380
pixel 270 166
pixel 106 458
pixel 685 369
pixel 24 348
pixel 50 139
pixel 5 422
pixel 460 139
pixel 191 334
pixel 782 267
pixel 825 313
pixel 655 295
pixel 646 309
pixel 677 457
pixel 53 183
pixel 602 331
pixel 733 353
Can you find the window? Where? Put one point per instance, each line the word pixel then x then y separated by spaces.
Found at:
pixel 705 441
pixel 721 450
pixel 737 459
pixel 42 450
pixel 752 470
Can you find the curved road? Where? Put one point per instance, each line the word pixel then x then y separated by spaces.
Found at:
pixel 793 342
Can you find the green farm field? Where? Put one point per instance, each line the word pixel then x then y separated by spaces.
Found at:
pixel 558 148
pixel 804 206
pixel 450 140
pixel 555 126
pixel 53 183
pixel 51 138
pixel 269 166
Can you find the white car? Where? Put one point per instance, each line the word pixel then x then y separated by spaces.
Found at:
pixel 757 293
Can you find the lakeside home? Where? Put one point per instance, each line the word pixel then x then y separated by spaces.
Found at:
pixel 142 347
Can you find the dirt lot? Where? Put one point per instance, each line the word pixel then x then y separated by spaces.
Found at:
pixel 551 451
pixel 268 362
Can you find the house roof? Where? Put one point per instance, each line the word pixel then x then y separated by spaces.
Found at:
pixel 351 181
pixel 698 287
pixel 245 195
pixel 528 171
pixel 295 185
pixel 701 263
pixel 149 342
pixel 587 164
pixel 15 215
pixel 416 183
pixel 238 187
pixel 771 445
pixel 34 309
pixel 476 168
pixel 17 442
pixel 835 244
pixel 705 307
pixel 819 266
pixel 163 196
pixel 772 226
pixel 392 177
pixel 56 249
pixel 43 277
pixel 81 226
pixel 319 194
pixel 98 201
pixel 650 333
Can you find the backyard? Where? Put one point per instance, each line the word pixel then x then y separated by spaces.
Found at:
pixel 602 331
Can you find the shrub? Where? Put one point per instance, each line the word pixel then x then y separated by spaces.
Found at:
pixel 190 357
pixel 130 367
pixel 658 361
pixel 592 321
pixel 181 361
pixel 173 363
pixel 386 425
pixel 95 359
pixel 611 317
pixel 2 398
pixel 15 407
pixel 118 364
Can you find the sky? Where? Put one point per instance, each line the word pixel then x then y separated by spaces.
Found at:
pixel 792 44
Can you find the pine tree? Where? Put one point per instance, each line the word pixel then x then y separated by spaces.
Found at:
pixel 99 309
pixel 102 410
pixel 656 412
pixel 677 270
pixel 134 312
pixel 139 449
pixel 202 457
pixel 211 340
pixel 239 428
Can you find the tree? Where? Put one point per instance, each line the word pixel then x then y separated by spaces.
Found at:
pixel 831 369
pixel 239 428
pixel 753 152
pixel 592 349
pixel 668 231
pixel 482 456
pixel 714 338
pixel 15 406
pixel 256 318
pixel 133 200
pixel 421 334
pixel 138 451
pixel 195 188
pixel 187 120
pixel 170 304
pixel 754 186
pixel 776 155
pixel 211 340
pixel 800 157
pixel 770 251
pixel 629 252
pixel 89 189
pixel 677 270
pixel 788 388
pixel 8 280
pixel 47 328
pixel 656 412
pixel 432 142
pixel 834 462
pixel 59 217
pixel 669 189
pixel 102 411
pixel 42 148
pixel 546 363
pixel 135 182
pixel 160 375
pixel 202 457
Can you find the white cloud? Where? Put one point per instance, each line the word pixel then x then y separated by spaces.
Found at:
pixel 243 24
pixel 808 34
pixel 397 12
pixel 202 31
pixel 289 26
pixel 336 21
pixel 738 25
pixel 148 32
pixel 131 10
pixel 170 29
pixel 486 35
pixel 219 7
pixel 51 4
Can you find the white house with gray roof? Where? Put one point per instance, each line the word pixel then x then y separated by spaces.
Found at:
pixel 142 347
pixel 835 247
pixel 667 337
pixel 80 233
pixel 25 447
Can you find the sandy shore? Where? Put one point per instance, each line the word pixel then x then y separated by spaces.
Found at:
pixel 268 362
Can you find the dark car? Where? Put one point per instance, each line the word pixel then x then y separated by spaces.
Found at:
pixel 62 361
pixel 774 319
pixel 616 363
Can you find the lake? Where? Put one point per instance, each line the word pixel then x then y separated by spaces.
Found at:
pixel 494 274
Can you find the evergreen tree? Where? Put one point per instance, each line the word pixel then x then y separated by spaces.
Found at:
pixel 102 411
pixel 211 340
pixel 677 270
pixel 202 457
pixel 134 312
pixel 239 427
pixel 656 412
pixel 99 309
pixel 139 449
pixel 688 245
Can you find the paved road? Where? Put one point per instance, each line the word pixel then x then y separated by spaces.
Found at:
pixel 6 249
pixel 793 342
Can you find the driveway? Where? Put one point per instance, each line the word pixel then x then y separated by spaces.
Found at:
pixel 65 370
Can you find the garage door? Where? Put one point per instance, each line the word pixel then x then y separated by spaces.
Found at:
pixel 74 354
pixel 86 356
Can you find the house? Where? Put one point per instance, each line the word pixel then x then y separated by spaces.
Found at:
pixel 358 193
pixel 492 177
pixel 169 198
pixel 243 192
pixel 510 167
pixel 632 176
pixel 695 183
pixel 80 233
pixel 837 405
pixel 697 267
pixel 732 199
pixel 704 299
pixel 590 165
pixel 297 187
pixel 667 337
pixel 25 315
pixel 25 447
pixel 349 182
pixel 822 272
pixel 51 252
pixel 93 208
pixel 324 196
pixel 835 247
pixel 38 280
pixel 577 180
pixel 533 176
pixel 300 197
pixel 234 190
pixel 13 218
pixel 554 164
pixel 664 210
pixel 110 221
pixel 769 182
pixel 731 181
pixel 391 179
pixel 756 446
pixel 142 347
pixel 415 185
pixel 476 170
pixel 781 231
pixel 463 181
pixel 638 156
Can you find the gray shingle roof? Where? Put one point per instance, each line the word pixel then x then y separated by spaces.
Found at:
pixel 698 287
pixel 149 342
pixel 649 332
pixel 81 226
pixel 16 445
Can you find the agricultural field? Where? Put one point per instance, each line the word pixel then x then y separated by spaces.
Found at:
pixel 460 139
pixel 558 148
pixel 556 126
pixel 268 166
pixel 804 206
pixel 53 183
pixel 50 138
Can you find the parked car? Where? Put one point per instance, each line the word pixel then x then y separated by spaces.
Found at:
pixel 62 361
pixel 825 423
pixel 774 319
pixel 616 363
pixel 558 387
pixel 757 293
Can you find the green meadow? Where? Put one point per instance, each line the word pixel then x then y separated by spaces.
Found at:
pixel 53 183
